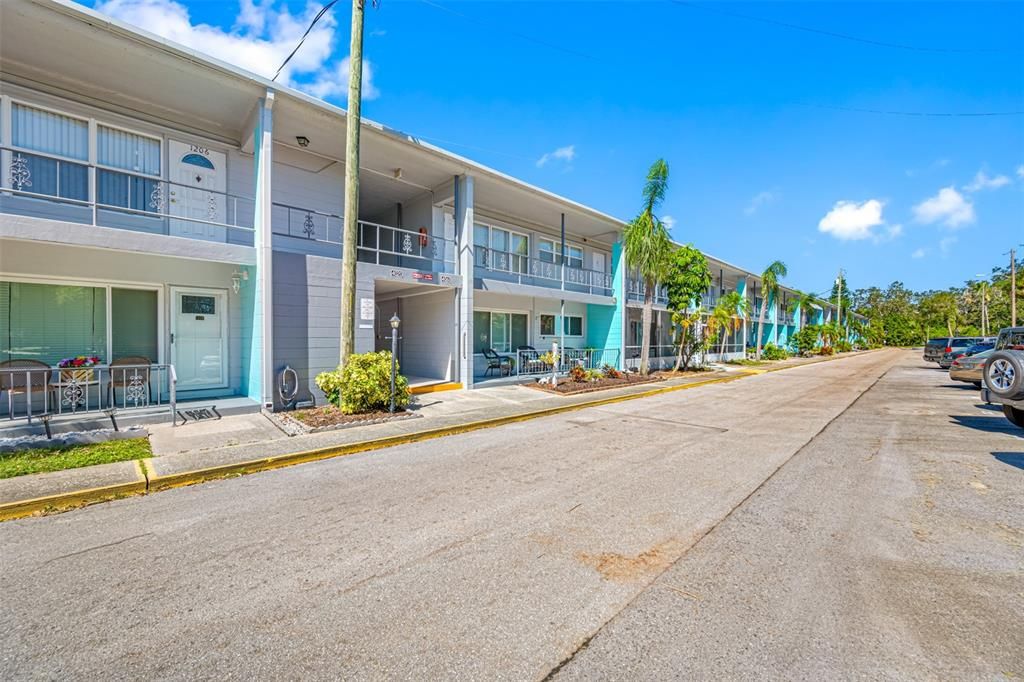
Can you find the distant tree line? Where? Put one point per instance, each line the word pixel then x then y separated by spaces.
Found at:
pixel 898 316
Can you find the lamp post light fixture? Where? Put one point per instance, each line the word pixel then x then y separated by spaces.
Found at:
pixel 395 321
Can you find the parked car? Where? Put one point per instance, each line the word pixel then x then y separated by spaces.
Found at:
pixel 969 368
pixel 934 349
pixel 954 351
pixel 955 347
pixel 1004 375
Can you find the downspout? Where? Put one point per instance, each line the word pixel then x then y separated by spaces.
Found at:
pixel 561 321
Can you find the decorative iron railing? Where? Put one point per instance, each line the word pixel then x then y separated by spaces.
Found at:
pixel 636 290
pixel 41 185
pixel 376 243
pixel 538 363
pixel 524 269
pixel 34 392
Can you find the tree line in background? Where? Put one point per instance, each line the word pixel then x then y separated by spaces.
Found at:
pixel 898 316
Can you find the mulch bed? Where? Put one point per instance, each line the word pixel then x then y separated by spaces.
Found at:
pixel 329 418
pixel 567 386
pixel 669 374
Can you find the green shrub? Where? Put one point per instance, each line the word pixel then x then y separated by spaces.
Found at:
pixel 594 374
pixel 843 346
pixel 364 385
pixel 773 352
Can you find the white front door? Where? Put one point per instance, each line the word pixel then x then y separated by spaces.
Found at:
pixel 198 180
pixel 599 261
pixel 199 339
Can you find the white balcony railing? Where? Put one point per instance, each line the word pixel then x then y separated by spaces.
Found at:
pixel 45 186
pixel 32 390
pixel 528 270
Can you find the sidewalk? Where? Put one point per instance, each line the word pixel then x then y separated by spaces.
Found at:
pixel 247 443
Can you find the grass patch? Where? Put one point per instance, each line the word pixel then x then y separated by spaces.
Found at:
pixel 40 460
pixel 748 362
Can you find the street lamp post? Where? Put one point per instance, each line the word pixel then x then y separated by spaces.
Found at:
pixel 984 305
pixel 394 352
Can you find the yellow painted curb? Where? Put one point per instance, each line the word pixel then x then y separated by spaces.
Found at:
pixel 436 388
pixel 279 461
pixel 72 500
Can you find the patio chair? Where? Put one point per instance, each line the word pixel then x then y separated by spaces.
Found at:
pixel 131 375
pixel 502 363
pixel 529 359
pixel 39 376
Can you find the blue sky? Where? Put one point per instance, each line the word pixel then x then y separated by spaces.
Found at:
pixel 754 117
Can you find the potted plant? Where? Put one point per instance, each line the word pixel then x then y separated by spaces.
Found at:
pixel 78 369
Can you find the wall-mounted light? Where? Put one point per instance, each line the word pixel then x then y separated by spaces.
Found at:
pixel 302 140
pixel 237 278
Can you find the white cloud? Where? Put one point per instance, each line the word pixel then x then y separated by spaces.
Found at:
pixel 983 181
pixel 891 232
pixel 760 199
pixel 263 35
pixel 566 154
pixel 669 222
pixel 945 244
pixel 849 220
pixel 1020 171
pixel 948 207
pixel 918 253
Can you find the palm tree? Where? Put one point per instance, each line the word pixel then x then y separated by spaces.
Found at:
pixel 769 292
pixel 728 316
pixel 647 247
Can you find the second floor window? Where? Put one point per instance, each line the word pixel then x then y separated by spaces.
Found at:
pixel 61 141
pixel 138 159
pixel 500 249
pixel 549 252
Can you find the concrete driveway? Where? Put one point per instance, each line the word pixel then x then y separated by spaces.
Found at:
pixel 556 545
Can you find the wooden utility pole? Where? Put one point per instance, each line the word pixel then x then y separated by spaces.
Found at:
pixel 839 303
pixel 1013 287
pixel 351 228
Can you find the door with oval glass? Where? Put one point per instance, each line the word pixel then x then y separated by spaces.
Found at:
pixel 199 339
pixel 198 177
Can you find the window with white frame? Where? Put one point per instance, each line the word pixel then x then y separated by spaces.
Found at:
pixel 137 160
pixel 61 141
pixel 548 252
pixel 497 248
pixel 500 331
pixel 572 325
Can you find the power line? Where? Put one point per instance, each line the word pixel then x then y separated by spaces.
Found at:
pixel 323 11
pixel 841 36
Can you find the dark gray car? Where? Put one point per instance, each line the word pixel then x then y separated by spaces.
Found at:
pixel 934 349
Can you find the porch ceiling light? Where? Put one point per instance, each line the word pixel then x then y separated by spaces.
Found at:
pixel 302 140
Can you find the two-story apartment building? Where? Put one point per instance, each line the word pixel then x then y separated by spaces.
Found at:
pixel 159 207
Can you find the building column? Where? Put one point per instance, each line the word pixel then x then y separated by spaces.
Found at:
pixel 261 339
pixel 741 289
pixel 774 318
pixel 619 332
pixel 464 245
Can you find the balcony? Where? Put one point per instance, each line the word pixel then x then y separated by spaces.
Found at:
pixel 42 186
pixel 514 267
pixel 635 291
pixel 376 243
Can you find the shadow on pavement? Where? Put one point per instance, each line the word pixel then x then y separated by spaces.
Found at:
pixel 989 406
pixel 988 424
pixel 1014 459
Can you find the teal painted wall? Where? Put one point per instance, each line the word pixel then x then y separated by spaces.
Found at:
pixel 605 323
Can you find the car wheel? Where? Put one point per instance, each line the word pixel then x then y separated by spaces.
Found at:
pixel 1014 414
pixel 1004 374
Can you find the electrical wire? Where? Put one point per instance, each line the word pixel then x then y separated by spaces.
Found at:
pixel 939 114
pixel 841 36
pixel 323 11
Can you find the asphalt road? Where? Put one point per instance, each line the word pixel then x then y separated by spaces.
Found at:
pixel 786 525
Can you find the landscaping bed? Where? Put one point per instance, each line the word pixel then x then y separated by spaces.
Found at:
pixel 57 458
pixel 692 372
pixel 567 386
pixel 329 418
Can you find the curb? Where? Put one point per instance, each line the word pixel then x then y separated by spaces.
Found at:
pixel 150 481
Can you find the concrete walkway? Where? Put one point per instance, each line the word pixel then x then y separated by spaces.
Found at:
pixel 198 446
